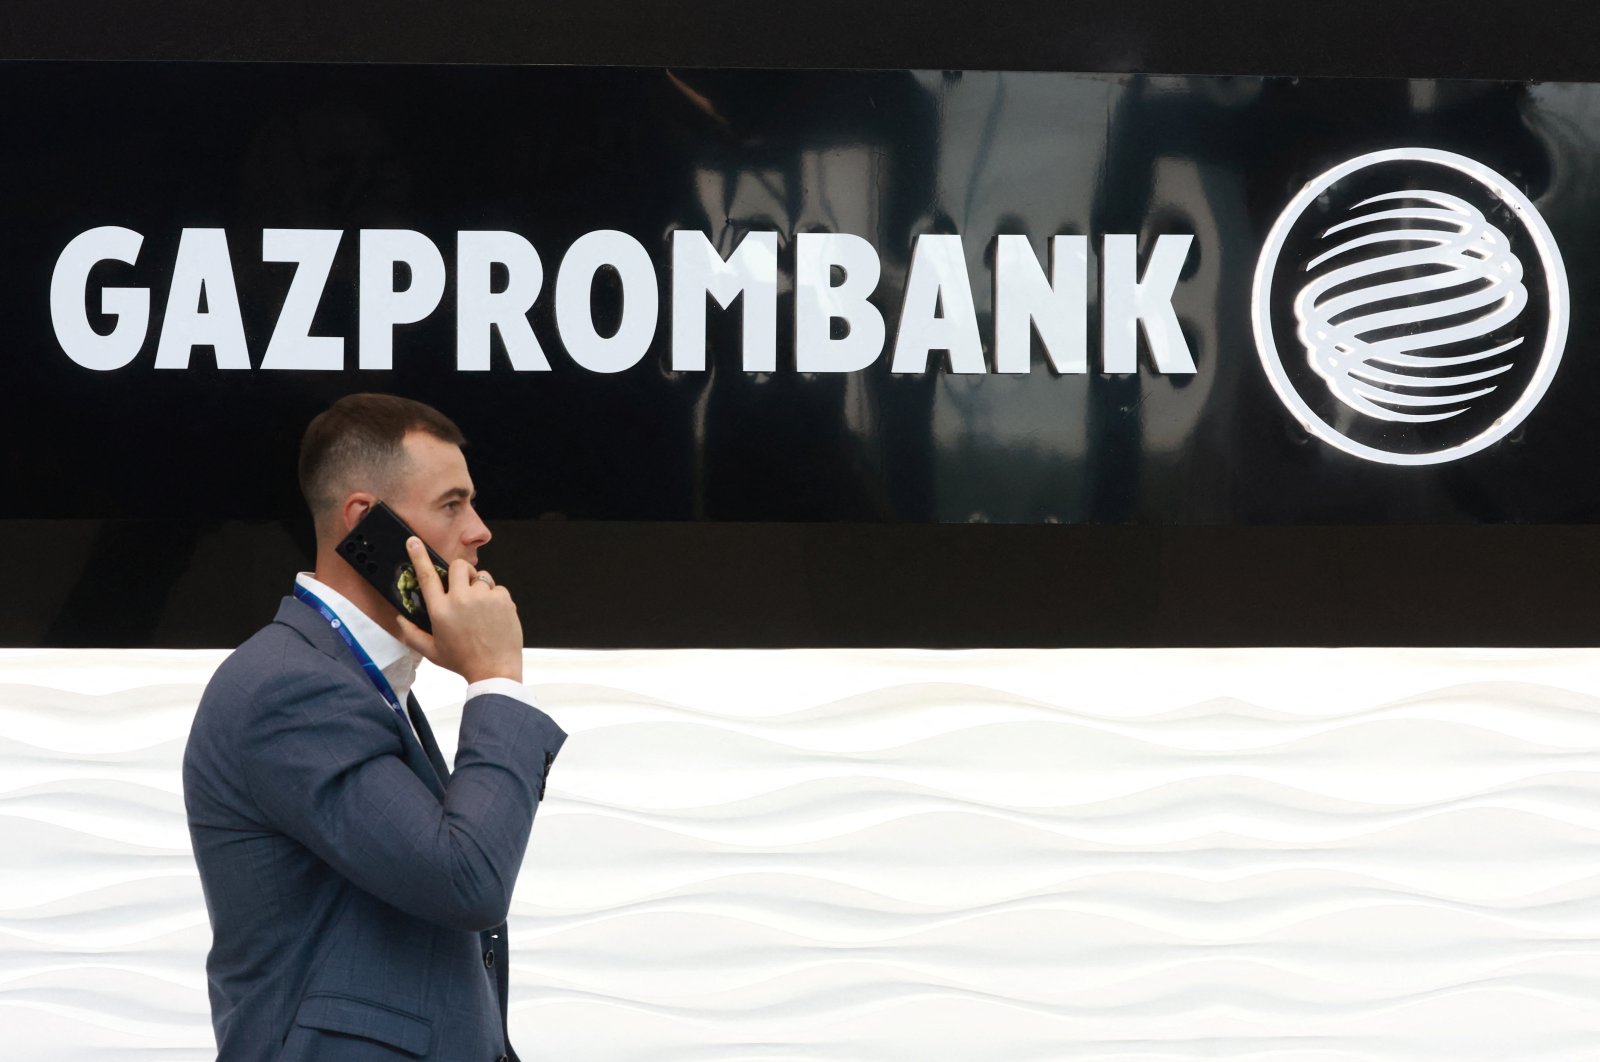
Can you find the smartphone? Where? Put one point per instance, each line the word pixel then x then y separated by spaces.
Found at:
pixel 376 548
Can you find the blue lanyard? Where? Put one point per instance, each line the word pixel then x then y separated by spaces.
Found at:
pixel 302 594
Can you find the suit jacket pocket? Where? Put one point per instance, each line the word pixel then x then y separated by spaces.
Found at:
pixel 367 1019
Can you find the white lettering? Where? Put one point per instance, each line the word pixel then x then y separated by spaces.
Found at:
pixel 292 345
pixel 480 310
pixel 202 267
pixel 698 271
pixel 69 289
pixel 1128 301
pixel 1025 300
pixel 837 327
pixel 818 302
pixel 938 281
pixel 382 306
pixel 641 301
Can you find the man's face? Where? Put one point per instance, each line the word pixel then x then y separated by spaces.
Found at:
pixel 434 496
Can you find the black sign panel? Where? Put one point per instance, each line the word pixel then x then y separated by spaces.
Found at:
pixel 791 295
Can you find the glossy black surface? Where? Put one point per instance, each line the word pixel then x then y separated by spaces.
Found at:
pixel 111 580
pixel 552 154
pixel 1537 39
pixel 728 585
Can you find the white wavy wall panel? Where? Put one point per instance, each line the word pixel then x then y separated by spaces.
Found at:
pixel 1262 854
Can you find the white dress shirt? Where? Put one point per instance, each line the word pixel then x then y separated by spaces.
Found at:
pixel 394 658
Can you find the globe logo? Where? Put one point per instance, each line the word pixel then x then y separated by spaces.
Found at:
pixel 1410 306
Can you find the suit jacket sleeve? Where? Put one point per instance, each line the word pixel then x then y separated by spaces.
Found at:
pixel 323 763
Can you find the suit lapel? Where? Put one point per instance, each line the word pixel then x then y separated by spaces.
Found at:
pixel 424 760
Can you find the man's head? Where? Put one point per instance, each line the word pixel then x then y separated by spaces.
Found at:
pixel 367 448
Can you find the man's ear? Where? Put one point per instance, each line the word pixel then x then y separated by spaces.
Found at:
pixel 355 507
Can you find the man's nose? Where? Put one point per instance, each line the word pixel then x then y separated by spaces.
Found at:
pixel 478 534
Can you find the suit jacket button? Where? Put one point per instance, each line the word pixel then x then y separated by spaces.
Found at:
pixel 488 958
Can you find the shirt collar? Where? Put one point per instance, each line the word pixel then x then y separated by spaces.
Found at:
pixel 393 657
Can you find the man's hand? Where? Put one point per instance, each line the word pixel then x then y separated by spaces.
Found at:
pixel 476 632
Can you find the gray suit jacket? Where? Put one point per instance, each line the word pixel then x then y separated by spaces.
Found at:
pixel 357 888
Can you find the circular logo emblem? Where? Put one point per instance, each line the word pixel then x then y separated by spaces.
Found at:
pixel 1410 306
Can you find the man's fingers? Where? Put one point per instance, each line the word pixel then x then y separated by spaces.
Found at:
pixel 422 564
pixel 460 573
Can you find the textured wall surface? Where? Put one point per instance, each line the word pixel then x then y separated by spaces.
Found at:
pixel 1139 854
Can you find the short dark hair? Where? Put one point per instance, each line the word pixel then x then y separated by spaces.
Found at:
pixel 356 443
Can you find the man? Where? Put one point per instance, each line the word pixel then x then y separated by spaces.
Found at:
pixel 357 887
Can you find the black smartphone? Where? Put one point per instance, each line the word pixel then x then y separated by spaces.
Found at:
pixel 376 547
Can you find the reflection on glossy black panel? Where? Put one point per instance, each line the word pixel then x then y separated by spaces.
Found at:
pixel 679 507
pixel 898 159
